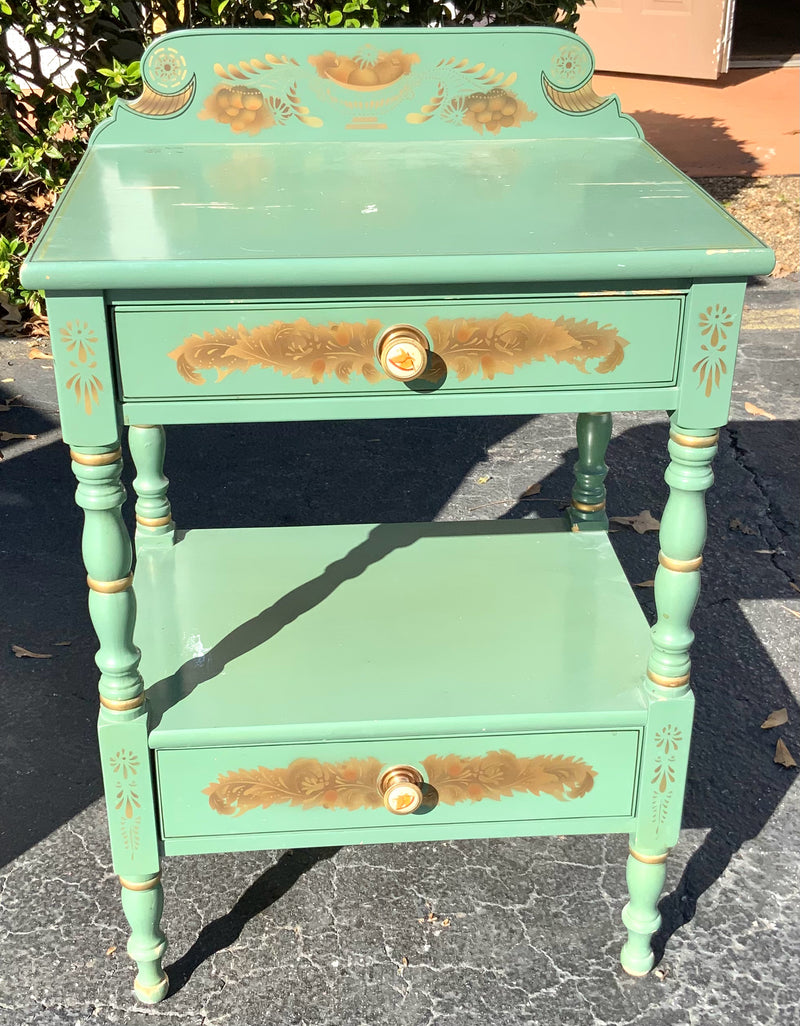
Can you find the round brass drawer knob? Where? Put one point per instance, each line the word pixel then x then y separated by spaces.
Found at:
pixel 403 352
pixel 400 787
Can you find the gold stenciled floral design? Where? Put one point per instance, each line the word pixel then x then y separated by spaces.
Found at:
pixel 125 796
pixel 352 784
pixel 80 340
pixel 166 67
pixel 263 101
pixel 715 322
pixel 568 82
pixel 569 65
pixel 466 346
pixel 490 107
pixel 668 741
pixel 370 68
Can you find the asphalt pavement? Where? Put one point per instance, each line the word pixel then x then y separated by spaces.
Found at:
pixel 489 932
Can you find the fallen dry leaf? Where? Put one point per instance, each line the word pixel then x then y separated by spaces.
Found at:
pixel 736 525
pixel 533 490
pixel 110 951
pixel 23 653
pixel 6 381
pixel 645 584
pixel 783 756
pixel 792 611
pixel 758 412
pixel 483 480
pixel 644 521
pixel 660 973
pixel 766 552
pixel 775 719
pixel 38 326
pixel 8 436
pixel 44 200
pixel 62 643
pixel 10 313
pixel 35 353
pixel 794 586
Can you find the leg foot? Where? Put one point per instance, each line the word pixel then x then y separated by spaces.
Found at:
pixel 151 995
pixel 645 875
pixel 143 902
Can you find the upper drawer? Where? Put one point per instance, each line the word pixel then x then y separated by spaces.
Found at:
pixel 329 349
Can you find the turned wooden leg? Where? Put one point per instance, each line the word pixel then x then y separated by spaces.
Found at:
pixel 154 523
pixel 669 697
pixel 588 509
pixel 143 902
pixel 122 727
pixel 682 537
pixel 645 875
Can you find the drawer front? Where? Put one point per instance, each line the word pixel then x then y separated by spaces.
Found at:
pixel 475 780
pixel 270 351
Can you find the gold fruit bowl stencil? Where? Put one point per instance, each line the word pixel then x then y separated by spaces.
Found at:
pixel 371 70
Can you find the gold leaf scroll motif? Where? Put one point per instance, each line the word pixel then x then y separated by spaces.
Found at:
pixel 158 105
pixel 298 349
pixel 501 345
pixel 578 101
pixel 489 110
pixel 474 95
pixel 467 346
pixel 353 784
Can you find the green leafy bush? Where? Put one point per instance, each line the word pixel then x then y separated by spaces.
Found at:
pixel 45 118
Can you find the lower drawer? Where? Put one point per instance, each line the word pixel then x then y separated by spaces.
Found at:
pixel 334 786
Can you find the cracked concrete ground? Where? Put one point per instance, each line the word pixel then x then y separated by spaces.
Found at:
pixel 469 932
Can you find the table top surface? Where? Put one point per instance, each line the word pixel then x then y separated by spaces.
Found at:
pixel 334 212
pixel 194 199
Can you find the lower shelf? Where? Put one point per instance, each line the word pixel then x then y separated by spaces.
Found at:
pixel 361 633
pixel 288 667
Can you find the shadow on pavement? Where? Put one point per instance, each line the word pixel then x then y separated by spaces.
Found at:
pixel 258 897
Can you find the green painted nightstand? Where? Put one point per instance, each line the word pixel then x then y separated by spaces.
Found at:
pixel 385 224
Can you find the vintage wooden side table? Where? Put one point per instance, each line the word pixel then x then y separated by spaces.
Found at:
pixel 291 226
